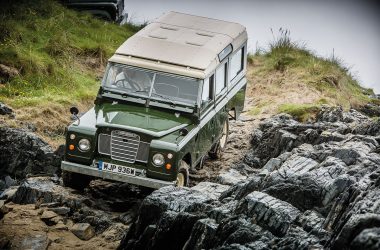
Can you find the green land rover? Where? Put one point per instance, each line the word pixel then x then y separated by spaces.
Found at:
pixel 164 104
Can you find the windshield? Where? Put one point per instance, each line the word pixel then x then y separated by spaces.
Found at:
pixel 156 85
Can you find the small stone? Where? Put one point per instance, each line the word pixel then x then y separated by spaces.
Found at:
pixel 3 208
pixel 61 226
pixel 56 220
pixel 83 231
pixel 9 182
pixel 48 218
pixel 8 193
pixel 5 110
pixel 60 210
pixel 50 205
pixel 69 223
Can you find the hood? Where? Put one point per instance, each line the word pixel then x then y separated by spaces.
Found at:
pixel 139 119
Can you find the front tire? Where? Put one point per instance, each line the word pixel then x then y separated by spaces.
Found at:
pixel 218 148
pixel 75 180
pixel 183 174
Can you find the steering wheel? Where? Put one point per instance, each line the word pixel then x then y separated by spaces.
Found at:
pixel 132 85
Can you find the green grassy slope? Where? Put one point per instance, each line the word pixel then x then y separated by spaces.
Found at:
pixel 290 78
pixel 60 55
pixel 58 52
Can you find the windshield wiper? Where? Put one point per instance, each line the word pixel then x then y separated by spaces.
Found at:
pixel 166 98
pixel 140 91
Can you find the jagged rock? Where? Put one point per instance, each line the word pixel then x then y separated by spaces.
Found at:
pixel 44 190
pixel 368 239
pixel 353 227
pixel 202 232
pixel 23 153
pixel 336 114
pixel 318 187
pixel 370 109
pixel 269 212
pixel 35 241
pixel 330 114
pixel 230 177
pixel 5 110
pixel 257 134
pixel 213 190
pixel 83 231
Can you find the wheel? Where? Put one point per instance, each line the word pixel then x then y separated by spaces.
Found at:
pixel 75 180
pixel 183 174
pixel 219 147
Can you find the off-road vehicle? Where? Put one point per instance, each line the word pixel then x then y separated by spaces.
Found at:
pixel 110 10
pixel 164 104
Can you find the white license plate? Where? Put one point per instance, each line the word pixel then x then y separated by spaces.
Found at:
pixel 109 167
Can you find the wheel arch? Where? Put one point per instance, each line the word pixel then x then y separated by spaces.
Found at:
pixel 187 158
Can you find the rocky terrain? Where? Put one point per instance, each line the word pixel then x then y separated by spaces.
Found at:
pixel 318 187
pixel 292 186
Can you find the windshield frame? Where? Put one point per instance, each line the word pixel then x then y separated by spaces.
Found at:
pixel 150 97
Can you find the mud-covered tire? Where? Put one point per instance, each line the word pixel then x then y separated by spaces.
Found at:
pixel 75 180
pixel 183 174
pixel 218 148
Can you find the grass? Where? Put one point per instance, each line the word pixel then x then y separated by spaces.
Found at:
pixel 60 55
pixel 302 112
pixel 298 82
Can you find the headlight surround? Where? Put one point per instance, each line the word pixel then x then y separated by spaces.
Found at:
pixel 84 145
pixel 158 159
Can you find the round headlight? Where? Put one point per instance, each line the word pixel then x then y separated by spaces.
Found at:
pixel 158 159
pixel 72 136
pixel 84 145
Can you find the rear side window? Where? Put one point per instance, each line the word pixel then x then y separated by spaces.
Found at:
pixel 220 76
pixel 237 63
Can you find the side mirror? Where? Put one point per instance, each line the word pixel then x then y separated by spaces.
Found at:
pixel 183 132
pixel 74 111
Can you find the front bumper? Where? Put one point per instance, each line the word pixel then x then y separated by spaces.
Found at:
pixel 136 180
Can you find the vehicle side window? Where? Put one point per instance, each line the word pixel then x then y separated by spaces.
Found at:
pixel 220 76
pixel 237 63
pixel 208 91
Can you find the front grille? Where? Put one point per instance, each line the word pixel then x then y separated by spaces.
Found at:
pixel 123 146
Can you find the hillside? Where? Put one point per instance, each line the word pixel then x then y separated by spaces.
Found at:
pixel 292 79
pixel 54 58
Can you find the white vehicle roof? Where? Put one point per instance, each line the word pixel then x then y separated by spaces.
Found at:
pixel 181 43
